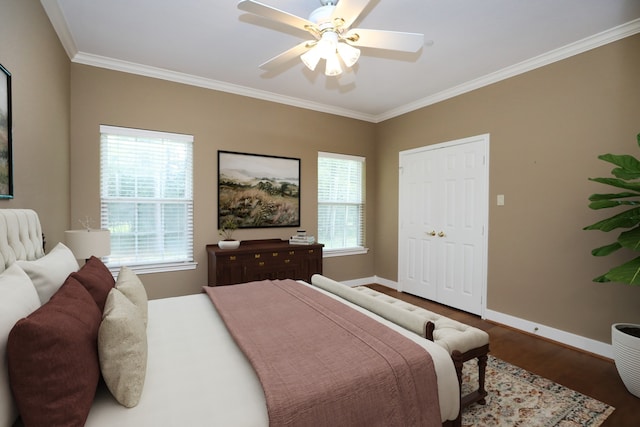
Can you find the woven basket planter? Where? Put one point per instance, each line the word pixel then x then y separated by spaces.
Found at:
pixel 626 353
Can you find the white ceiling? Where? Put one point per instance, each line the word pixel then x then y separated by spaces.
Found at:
pixel 210 43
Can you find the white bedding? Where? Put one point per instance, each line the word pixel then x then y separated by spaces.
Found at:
pixel 197 376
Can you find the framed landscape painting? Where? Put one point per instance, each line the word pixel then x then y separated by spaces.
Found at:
pixel 6 172
pixel 258 191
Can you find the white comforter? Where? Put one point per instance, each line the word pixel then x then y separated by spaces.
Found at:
pixel 197 376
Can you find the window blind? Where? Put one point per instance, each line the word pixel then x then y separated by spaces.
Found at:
pixel 146 186
pixel 341 201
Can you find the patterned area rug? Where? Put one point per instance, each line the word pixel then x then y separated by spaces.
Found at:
pixel 519 398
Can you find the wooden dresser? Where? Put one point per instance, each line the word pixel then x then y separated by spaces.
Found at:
pixel 263 259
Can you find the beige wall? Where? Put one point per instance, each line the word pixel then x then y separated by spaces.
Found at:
pixel 39 66
pixel 547 128
pixel 218 121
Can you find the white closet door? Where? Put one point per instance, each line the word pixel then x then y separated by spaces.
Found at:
pixel 443 216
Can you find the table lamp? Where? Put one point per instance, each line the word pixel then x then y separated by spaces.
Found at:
pixel 88 242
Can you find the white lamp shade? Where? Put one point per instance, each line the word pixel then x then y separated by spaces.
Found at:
pixel 349 54
pixel 87 243
pixel 333 67
pixel 311 58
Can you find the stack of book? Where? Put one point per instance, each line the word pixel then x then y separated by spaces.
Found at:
pixel 301 238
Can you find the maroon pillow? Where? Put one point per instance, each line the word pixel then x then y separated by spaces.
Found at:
pixel 52 357
pixel 96 277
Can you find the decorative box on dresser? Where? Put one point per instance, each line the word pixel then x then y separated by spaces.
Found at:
pixel 263 259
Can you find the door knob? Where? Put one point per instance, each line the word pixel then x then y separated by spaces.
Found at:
pixel 431 233
pixel 441 234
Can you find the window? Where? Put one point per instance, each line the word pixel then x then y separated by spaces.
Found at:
pixel 146 190
pixel 341 205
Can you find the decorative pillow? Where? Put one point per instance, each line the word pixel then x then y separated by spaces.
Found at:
pixel 53 359
pixel 96 277
pixel 49 272
pixel 130 285
pixel 122 348
pixel 18 299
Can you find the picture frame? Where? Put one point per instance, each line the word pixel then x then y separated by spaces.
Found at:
pixel 258 191
pixel 6 121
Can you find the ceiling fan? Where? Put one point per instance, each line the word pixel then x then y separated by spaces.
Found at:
pixel 333 39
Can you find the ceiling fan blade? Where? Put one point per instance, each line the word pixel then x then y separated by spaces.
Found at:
pixel 286 56
pixel 274 14
pixel 391 40
pixel 349 10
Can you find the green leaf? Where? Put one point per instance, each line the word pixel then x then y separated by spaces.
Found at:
pixel 625 174
pixel 620 183
pixel 630 239
pixel 602 204
pixel 628 169
pixel 609 196
pixel 626 219
pixel 628 273
pixel 629 166
pixel 606 250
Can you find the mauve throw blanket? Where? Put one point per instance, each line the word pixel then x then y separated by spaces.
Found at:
pixel 322 363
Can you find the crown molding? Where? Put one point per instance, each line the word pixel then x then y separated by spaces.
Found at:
pixel 62 29
pixel 589 43
pixel 188 79
pixel 52 9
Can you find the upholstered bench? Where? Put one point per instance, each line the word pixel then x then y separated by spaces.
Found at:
pixel 462 341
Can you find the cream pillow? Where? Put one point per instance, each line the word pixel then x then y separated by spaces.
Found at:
pixel 18 299
pixel 122 349
pixel 49 272
pixel 130 285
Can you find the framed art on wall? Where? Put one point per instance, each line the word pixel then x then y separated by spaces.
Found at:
pixel 258 191
pixel 6 166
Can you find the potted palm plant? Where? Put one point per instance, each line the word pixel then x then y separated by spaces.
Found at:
pixel 625 338
pixel 228 226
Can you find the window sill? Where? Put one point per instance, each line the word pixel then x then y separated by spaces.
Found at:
pixel 328 253
pixel 156 268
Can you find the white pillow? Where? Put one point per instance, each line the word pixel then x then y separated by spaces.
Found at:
pixel 122 349
pixel 49 272
pixel 18 299
pixel 130 285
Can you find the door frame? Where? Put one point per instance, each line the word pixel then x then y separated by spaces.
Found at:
pixel 485 140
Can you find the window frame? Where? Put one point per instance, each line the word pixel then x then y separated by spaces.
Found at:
pixel 155 266
pixel 353 250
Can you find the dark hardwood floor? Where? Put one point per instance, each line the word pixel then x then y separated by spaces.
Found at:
pixel 585 373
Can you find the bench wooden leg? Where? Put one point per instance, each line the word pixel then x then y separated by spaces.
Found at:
pixel 477 396
pixel 482 369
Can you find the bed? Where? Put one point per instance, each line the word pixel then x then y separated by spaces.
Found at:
pixel 195 374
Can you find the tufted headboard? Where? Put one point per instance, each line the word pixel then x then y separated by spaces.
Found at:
pixel 20 236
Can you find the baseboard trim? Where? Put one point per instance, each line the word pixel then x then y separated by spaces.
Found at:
pixel 559 336
pixel 369 280
pixel 359 282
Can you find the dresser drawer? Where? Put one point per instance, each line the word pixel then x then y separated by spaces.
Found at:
pixel 260 260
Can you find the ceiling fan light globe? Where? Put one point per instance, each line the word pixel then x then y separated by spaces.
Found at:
pixel 327 45
pixel 333 67
pixel 311 58
pixel 349 54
